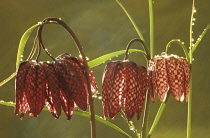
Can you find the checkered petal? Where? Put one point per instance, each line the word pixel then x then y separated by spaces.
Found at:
pixel 52 90
pixel 143 80
pixel 186 85
pixel 160 79
pixel 133 89
pixel 175 72
pixel 21 101
pixel 92 78
pixel 65 82
pixel 107 86
pixel 35 88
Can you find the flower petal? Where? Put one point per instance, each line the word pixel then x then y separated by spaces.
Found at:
pixel 107 87
pixel 21 101
pixel 35 87
pixel 53 90
pixel 132 91
pixel 160 79
pixel 143 83
pixel 175 77
pixel 67 101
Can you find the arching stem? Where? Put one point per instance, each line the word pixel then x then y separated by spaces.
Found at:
pixel 81 50
pixel 146 54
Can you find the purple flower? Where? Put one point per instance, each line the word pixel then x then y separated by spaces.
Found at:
pixel 124 85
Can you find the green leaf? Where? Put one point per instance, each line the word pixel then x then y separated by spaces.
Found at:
pixel 200 38
pixel 102 59
pixel 83 114
pixel 132 21
pixel 22 43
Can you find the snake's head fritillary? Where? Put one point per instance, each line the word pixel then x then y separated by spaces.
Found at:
pixel 169 72
pixel 61 83
pixel 124 85
pixel 73 83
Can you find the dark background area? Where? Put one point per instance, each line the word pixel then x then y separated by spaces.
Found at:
pixel 102 27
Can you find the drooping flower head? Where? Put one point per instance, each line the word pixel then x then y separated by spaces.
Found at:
pixel 61 83
pixel 169 72
pixel 124 85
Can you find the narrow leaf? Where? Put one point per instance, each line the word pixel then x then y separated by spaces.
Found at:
pixel 200 38
pixel 132 21
pixel 83 114
pixel 22 43
pixel 106 57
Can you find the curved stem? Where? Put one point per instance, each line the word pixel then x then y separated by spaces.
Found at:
pixel 146 54
pixel 181 44
pixel 80 48
pixel 8 79
pixel 39 33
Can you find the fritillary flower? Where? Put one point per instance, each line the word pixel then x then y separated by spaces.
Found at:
pixel 169 72
pixel 58 84
pixel 71 75
pixel 124 85
pixel 30 89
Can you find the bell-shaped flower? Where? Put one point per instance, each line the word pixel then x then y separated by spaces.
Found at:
pixel 169 72
pixel 124 85
pixel 58 84
pixel 73 83
pixel 30 89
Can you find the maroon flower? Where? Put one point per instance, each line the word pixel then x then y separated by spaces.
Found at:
pixel 71 75
pixel 169 72
pixel 30 89
pixel 124 84
pixel 61 83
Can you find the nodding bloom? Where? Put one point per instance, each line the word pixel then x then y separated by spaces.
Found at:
pixel 124 85
pixel 61 83
pixel 169 72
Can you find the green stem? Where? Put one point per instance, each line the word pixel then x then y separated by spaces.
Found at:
pixel 146 116
pixel 181 44
pixel 151 15
pixel 157 118
pixel 8 79
pixel 147 104
pixel 189 116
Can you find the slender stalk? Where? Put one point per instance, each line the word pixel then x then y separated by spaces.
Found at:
pixel 81 50
pixel 8 79
pixel 181 44
pixel 146 54
pixel 147 105
pixel 146 116
pixel 151 15
pixel 189 116
pixel 157 118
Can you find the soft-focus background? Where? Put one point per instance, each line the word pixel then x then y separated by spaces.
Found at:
pixel 102 27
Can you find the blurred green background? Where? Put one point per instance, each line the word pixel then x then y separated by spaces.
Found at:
pixel 102 27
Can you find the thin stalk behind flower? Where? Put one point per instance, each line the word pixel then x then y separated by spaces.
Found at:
pixel 80 48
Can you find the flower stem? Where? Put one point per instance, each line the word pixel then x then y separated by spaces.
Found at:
pixel 147 104
pixel 146 116
pixel 157 118
pixel 81 50
pixel 189 107
pixel 146 52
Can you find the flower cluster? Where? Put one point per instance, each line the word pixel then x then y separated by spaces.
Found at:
pixel 124 84
pixel 61 83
